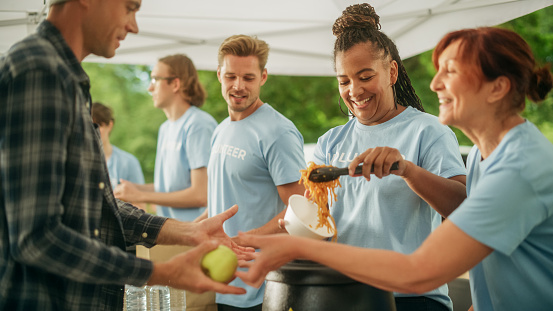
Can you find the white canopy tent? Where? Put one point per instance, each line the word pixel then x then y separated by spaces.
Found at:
pixel 298 31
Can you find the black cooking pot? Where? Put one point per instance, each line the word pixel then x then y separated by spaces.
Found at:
pixel 306 285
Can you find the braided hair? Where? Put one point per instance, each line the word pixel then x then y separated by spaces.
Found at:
pixel 359 23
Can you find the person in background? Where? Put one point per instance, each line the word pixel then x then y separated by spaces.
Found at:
pixel 400 208
pixel 256 154
pixel 183 147
pixel 503 231
pixel 121 164
pixel 63 234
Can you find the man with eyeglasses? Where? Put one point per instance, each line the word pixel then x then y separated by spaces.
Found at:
pixel 62 233
pixel 183 147
pixel 180 177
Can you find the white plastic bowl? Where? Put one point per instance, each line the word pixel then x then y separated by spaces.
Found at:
pixel 301 219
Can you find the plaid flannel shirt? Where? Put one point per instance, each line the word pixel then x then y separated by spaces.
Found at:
pixel 63 234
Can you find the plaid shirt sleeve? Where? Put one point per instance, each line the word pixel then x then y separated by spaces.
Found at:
pixel 139 226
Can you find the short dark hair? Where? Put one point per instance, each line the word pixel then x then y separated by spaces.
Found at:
pixel 101 114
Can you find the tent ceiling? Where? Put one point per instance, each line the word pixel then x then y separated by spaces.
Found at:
pixel 298 31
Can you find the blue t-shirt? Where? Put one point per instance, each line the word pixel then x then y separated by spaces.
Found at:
pixel 510 209
pixel 249 159
pixel 385 213
pixel 182 146
pixel 122 164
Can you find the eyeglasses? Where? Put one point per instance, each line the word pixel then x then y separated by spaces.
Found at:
pixel 155 79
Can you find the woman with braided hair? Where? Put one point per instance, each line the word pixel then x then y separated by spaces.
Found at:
pixel 502 231
pixel 360 24
pixel 400 208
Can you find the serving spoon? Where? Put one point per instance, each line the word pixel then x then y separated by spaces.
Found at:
pixel 330 173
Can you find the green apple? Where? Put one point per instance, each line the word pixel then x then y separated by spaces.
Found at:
pixel 220 264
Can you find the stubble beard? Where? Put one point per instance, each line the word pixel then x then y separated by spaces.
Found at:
pixel 240 107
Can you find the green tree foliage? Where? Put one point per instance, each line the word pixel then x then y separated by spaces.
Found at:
pixel 537 29
pixel 310 102
pixel 124 89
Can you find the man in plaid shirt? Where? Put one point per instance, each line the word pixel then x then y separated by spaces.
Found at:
pixel 63 234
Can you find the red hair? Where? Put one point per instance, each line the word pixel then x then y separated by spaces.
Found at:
pixel 490 52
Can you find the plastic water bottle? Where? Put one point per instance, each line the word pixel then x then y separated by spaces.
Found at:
pixel 160 298
pixel 178 299
pixel 136 298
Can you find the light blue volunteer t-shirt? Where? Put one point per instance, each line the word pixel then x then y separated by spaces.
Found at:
pixel 182 146
pixel 386 213
pixel 510 209
pixel 123 165
pixel 249 158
